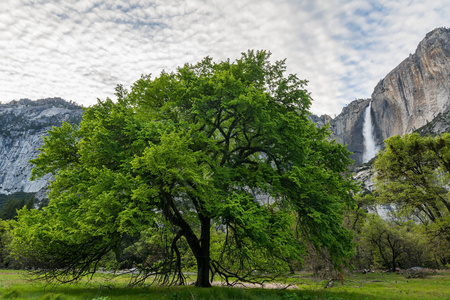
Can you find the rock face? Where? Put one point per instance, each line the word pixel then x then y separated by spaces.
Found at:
pixel 347 128
pixel 22 125
pixel 410 96
pixel 320 121
pixel 416 91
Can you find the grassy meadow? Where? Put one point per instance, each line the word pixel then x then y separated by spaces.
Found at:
pixel 15 285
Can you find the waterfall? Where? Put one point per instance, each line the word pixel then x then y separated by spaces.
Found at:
pixel 370 149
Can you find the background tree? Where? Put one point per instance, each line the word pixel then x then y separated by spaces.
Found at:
pixel 355 220
pixel 413 172
pixel 392 245
pixel 214 145
pixel 5 240
pixel 9 209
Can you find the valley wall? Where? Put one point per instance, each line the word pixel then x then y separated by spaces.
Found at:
pixel 413 94
pixel 22 125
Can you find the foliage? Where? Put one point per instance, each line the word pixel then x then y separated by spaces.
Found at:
pixel 392 245
pixel 437 246
pixel 413 172
pixel 9 209
pixel 5 240
pixel 18 196
pixel 214 145
pixel 355 220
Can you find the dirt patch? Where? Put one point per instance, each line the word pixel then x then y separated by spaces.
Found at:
pixel 271 285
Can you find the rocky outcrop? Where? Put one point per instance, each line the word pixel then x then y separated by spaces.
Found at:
pixel 439 125
pixel 22 125
pixel 320 121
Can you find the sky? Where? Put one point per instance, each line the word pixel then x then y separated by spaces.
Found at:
pixel 80 50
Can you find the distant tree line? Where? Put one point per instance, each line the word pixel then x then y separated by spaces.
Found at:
pixel 10 203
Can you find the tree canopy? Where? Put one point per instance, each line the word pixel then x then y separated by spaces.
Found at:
pixel 413 172
pixel 393 244
pixel 224 147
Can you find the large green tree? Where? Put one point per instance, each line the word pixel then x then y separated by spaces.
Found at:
pixel 214 146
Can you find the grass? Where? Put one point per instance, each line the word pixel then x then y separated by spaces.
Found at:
pixel 13 285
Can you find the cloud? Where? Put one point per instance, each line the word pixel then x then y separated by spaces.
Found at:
pixel 80 50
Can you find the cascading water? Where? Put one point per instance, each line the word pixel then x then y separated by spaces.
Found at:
pixel 370 149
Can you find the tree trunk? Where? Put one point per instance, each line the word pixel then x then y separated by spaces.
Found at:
pixel 203 259
pixel 203 272
pixel 394 257
pixel 200 247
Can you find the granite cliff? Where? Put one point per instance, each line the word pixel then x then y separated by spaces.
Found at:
pixel 417 90
pixel 412 95
pixel 22 125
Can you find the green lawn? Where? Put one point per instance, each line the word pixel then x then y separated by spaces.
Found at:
pixel 13 285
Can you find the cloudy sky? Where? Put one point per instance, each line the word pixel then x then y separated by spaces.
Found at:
pixel 81 49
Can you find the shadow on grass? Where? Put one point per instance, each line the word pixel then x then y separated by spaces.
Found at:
pixel 174 293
